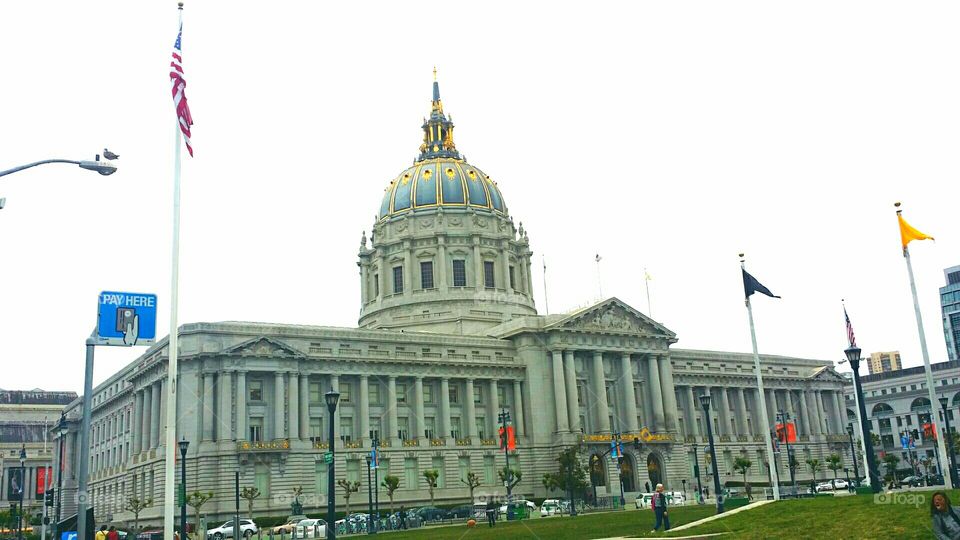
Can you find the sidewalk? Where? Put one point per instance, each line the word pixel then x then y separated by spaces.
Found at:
pixel 709 519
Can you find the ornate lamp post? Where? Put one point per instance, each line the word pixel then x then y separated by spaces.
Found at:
pixel 23 479
pixel 853 452
pixel 370 529
pixel 944 403
pixel 504 441
pixel 705 403
pixel 696 471
pixel 61 436
pixel 182 445
pixel 331 399
pixel 853 356
pixel 376 481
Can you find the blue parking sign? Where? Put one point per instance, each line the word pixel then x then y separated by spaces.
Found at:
pixel 68 535
pixel 125 318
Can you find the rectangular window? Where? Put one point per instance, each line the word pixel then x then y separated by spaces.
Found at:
pixel 426 275
pixel 346 429
pixel 256 429
pixel 463 467
pixel 353 470
pixel 401 393
pixel 316 429
pixel 579 394
pixel 454 395
pixel 403 428
pixel 316 394
pixel 501 395
pixel 376 284
pixel 488 472
pixel 410 473
pixel 488 280
pixel 374 428
pixel 345 391
pixel 481 427
pixel 430 425
pixel 320 477
pixel 513 284
pixel 437 464
pixel 255 390
pixel 261 477
pixel 455 427
pixel 397 279
pixel 459 273
pixel 374 393
pixel 427 393
pixel 478 394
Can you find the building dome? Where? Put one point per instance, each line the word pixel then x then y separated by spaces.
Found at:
pixel 441 182
pixel 440 177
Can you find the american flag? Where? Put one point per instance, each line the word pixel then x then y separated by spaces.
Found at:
pixel 177 86
pixel 850 337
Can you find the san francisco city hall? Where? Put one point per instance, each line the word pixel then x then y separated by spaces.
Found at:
pixel 448 335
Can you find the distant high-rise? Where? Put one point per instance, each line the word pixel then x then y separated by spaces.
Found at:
pixel 950 308
pixel 881 362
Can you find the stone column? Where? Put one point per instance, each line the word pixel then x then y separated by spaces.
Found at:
pixel 224 422
pixel 517 409
pixel 162 416
pixel 441 263
pixel 242 434
pixel 477 264
pixel 742 412
pixel 304 395
pixel 471 420
pixel 207 405
pixel 599 398
pixel 821 411
pixel 629 396
pixel 656 394
pixel 494 409
pixel 694 407
pixel 790 409
pixel 293 404
pixel 278 413
pixel 804 417
pixel 723 411
pixel 364 408
pixel 144 419
pixel 505 258
pixel 392 411
pixel 335 386
pixel 137 421
pixel 444 431
pixel 570 391
pixel 407 273
pixel 154 415
pixel 816 425
pixel 559 392
pixel 364 285
pixel 841 412
pixel 418 407
pixel 669 393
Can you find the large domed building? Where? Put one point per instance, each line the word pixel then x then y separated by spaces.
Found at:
pixel 449 345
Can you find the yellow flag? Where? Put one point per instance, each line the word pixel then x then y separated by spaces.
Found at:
pixel 908 233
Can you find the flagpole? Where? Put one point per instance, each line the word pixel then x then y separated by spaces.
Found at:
pixel 546 302
pixel 856 397
pixel 171 427
pixel 941 448
pixel 599 281
pixel 646 280
pixel 763 402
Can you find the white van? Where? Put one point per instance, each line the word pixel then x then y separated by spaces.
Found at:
pixel 550 507
pixel 674 498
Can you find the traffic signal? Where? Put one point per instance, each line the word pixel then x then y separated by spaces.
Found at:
pixel 48 498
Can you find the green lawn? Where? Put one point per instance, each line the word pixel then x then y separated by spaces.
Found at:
pixel 856 516
pixel 598 525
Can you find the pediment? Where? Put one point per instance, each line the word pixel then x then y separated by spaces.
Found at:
pixel 612 316
pixel 264 347
pixel 827 373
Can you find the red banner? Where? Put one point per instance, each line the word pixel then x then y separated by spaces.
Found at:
pixel 787 435
pixel 930 430
pixel 44 476
pixel 510 439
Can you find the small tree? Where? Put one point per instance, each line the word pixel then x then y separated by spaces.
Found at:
pixel 793 463
pixel 875 440
pixel 513 474
pixel 815 467
pixel 571 475
pixel 196 500
pixel 249 494
pixel 890 461
pixel 348 488
pixel 392 484
pixel 135 505
pixel 742 465
pixel 431 477
pixel 472 481
pixel 834 463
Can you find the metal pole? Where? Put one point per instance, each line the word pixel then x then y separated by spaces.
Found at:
pixel 763 405
pixel 941 447
pixel 59 495
pixel 853 453
pixel 82 469
pixel 35 163
pixel 376 482
pixel 713 460
pixel 504 419
pixel 23 491
pixel 183 493
pixel 871 459
pixel 696 469
pixel 369 501
pixel 236 505
pixel 46 482
pixel 546 303
pixel 172 346
pixel 623 505
pixel 949 437
pixel 331 495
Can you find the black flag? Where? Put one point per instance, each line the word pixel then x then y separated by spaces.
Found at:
pixel 751 285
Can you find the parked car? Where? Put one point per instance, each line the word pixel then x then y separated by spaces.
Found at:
pixel 840 483
pixel 530 506
pixel 552 507
pixel 911 481
pixel 155 534
pixel 461 512
pixel 311 528
pixel 247 529
pixel 824 486
pixel 287 527
pixel 430 513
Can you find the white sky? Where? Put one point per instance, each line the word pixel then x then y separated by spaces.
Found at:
pixel 668 135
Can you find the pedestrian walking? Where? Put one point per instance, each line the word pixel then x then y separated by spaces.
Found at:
pixel 112 534
pixel 403 518
pixel 946 518
pixel 102 533
pixel 659 505
pixel 491 514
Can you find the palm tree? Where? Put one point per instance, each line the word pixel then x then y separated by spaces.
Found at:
pixel 391 483
pixel 815 467
pixel 742 465
pixel 834 463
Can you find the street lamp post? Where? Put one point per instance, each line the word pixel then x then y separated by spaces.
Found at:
pixel 623 505
pixel 376 481
pixel 369 500
pixel 784 418
pixel 504 422
pixel 705 403
pixel 331 398
pixel 696 472
pixel 846 471
pixel 853 452
pixel 948 439
pixel 183 444
pixel 23 479
pixel 61 436
pixel 853 356
pixel 105 168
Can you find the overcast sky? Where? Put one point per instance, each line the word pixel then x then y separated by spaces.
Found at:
pixel 667 135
